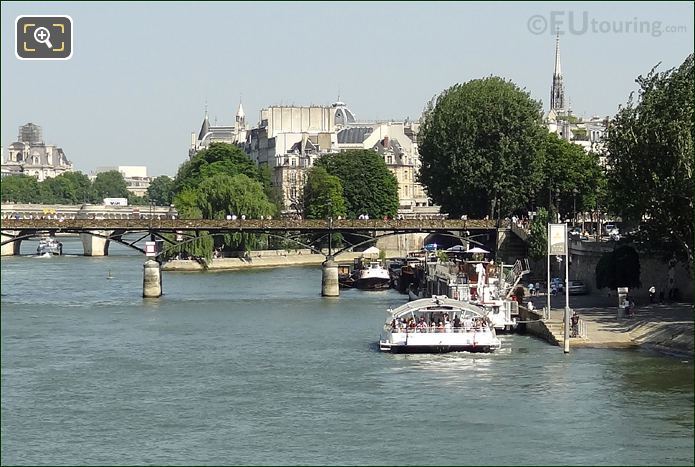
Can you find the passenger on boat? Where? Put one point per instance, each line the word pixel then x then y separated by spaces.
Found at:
pixel 440 326
pixel 457 323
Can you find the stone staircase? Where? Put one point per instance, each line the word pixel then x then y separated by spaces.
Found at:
pixel 556 332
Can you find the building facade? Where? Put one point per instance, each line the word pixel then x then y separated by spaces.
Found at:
pixel 289 140
pixel 31 156
pixel 231 134
pixel 135 177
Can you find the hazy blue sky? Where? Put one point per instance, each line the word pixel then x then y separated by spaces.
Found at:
pixel 141 72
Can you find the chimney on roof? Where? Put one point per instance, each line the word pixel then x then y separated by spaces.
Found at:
pixel 386 142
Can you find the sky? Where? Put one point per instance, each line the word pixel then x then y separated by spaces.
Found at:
pixel 141 73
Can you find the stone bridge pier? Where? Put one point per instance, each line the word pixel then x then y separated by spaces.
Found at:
pixel 12 248
pixel 96 245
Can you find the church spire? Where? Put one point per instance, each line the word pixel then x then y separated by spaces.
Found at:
pixel 557 92
pixel 558 69
pixel 205 127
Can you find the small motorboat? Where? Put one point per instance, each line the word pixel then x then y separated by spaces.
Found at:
pixel 372 276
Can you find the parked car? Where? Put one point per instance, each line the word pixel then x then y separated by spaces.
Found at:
pixel 577 288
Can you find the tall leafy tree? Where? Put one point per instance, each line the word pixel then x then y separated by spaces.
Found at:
pixel 323 195
pixel 538 239
pixel 110 184
pixel 368 185
pixel 480 142
pixel 59 190
pixel 20 189
pixel 186 203
pixel 567 167
pixel 161 190
pixel 82 186
pixel 218 159
pixel 649 148
pixel 222 194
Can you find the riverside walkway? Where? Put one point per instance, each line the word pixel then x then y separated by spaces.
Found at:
pixel 665 327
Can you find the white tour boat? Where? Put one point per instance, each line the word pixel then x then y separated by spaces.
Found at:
pixel 372 276
pixel 438 324
pixel 49 246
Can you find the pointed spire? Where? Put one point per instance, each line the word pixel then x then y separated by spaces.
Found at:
pixel 240 111
pixel 558 69
pixel 205 127
pixel 557 91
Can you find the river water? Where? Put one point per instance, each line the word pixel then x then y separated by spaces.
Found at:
pixel 254 367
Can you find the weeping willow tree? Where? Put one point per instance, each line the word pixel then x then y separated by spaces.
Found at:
pixel 222 195
pixel 217 197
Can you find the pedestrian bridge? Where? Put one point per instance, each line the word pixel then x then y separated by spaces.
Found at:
pixel 96 232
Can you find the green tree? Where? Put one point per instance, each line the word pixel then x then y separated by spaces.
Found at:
pixel 538 238
pixel 218 159
pixel 619 268
pixel 567 167
pixel 20 189
pixel 110 184
pixel 368 185
pixel 135 200
pixel 186 203
pixel 323 195
pixel 482 141
pixel 161 190
pixel 221 195
pixel 58 190
pixel 649 148
pixel 82 187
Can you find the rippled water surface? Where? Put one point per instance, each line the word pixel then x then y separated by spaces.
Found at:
pixel 254 367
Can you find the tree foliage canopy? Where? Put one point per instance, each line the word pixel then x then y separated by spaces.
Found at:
pixel 368 185
pixel 110 184
pixel 66 188
pixel 538 239
pixel 567 167
pixel 649 147
pixel 161 190
pixel 218 159
pixel 480 141
pixel 222 194
pixel 323 195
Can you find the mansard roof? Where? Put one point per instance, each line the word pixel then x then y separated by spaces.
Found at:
pixel 354 135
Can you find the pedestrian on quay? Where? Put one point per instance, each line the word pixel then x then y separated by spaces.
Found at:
pixel 652 294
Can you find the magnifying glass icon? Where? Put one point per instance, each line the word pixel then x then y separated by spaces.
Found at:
pixel 43 36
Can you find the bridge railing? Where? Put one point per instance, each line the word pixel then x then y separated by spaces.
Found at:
pixel 252 224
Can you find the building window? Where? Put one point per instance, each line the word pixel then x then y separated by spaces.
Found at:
pixel 389 160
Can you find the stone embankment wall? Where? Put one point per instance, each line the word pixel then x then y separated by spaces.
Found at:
pixel 258 259
pixel 653 270
pixel 668 337
pixel 535 326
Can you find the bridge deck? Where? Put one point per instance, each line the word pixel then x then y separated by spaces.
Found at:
pixel 170 225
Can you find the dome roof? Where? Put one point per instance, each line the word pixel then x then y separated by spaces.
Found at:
pixel 343 115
